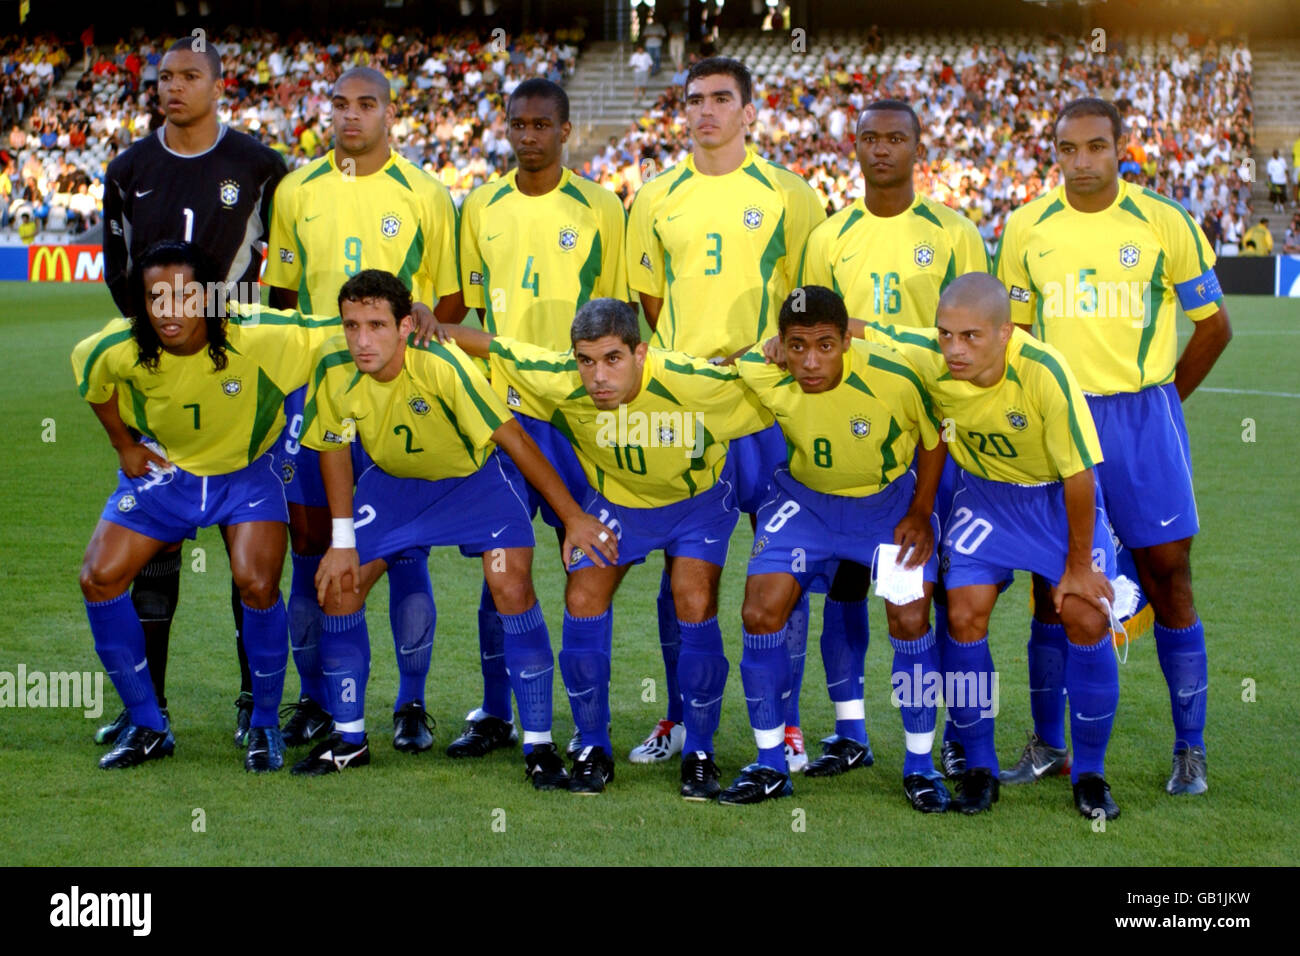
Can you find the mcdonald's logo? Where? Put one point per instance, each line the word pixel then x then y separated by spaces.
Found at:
pixel 71 263
pixel 48 264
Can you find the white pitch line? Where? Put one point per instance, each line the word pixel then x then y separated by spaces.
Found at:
pixel 1248 391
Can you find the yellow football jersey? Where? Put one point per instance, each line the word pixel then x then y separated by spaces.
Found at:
pixel 1032 427
pixel 529 262
pixel 208 421
pixel 1103 287
pixel 434 420
pixel 668 444
pixel 721 251
pixel 892 269
pixel 857 437
pixel 327 226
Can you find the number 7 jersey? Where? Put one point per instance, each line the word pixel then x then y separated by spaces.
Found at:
pixel 327 226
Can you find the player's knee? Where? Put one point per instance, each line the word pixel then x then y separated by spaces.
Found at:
pixel 512 593
pixel 910 621
pixel 693 604
pixel 966 621
pixel 258 591
pixel 99 583
pixel 760 618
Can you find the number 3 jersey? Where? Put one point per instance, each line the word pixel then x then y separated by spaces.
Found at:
pixel 434 420
pixel 327 225
pixel 1032 427
pixel 208 421
pixel 857 437
pixel 721 251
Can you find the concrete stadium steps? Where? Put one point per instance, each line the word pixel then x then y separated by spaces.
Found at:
pixel 1275 66
pixel 601 100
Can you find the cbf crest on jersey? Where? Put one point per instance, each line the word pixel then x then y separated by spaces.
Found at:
pixel 390 225
pixel 1017 419
pixel 923 255
pixel 419 405
pixel 231 386
pixel 568 238
pixel 1129 254
pixel 229 193
pixel 753 217
pixel 860 427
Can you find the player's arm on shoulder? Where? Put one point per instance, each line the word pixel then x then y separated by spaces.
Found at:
pixel 472 341
pixel 1009 267
pixel 1191 270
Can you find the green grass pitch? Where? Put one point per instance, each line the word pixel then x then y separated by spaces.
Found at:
pixel 57 808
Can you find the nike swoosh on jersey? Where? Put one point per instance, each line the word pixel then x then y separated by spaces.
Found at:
pixel 491 237
pixel 1047 253
pixel 712 540
pixel 310 218
pixel 141 195
pixel 254 504
pixel 499 530
pixel 847 258
pixel 674 216
pixel 1165 524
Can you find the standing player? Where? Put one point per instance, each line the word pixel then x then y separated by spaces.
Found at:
pixel 650 428
pixel 535 246
pixel 1026 498
pixel 890 255
pixel 207 398
pixel 360 206
pixel 431 424
pixel 194 180
pixel 713 249
pixel 1098 267
pixel 855 416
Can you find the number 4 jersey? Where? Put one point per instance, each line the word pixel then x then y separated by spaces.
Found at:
pixel 1031 428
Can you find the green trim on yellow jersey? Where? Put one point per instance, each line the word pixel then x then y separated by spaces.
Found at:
pixel 100 348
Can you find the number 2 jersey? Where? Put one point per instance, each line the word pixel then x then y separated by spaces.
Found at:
pixel 208 421
pixel 1032 427
pixel 327 226
pixel 434 420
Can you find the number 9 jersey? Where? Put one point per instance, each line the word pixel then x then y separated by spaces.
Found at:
pixel 327 225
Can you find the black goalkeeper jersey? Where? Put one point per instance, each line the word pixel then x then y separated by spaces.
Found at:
pixel 219 199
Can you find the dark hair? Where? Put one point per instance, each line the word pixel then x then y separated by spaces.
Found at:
pixel 717 65
pixel 812 305
pixel 208 52
pixel 895 106
pixel 601 317
pixel 1089 106
pixel 377 284
pixel 541 88
pixel 171 252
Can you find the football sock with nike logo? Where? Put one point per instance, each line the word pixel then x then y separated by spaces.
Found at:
pixel 532 672
pixel 119 642
pixel 492 658
pixel 345 663
pixel 765 674
pixel 702 670
pixel 915 676
pixel 413 617
pixel 305 625
pixel 584 665
pixel 796 645
pixel 1092 684
pixel 968 672
pixel 1182 659
pixel 1046 652
pixel 266 634
pixel 844 649
pixel 670 646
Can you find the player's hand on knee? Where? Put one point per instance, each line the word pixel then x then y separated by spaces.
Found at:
pixel 340 568
pixel 427 328
pixel 596 541
pixel 914 536
pixel 135 459
pixel 1082 581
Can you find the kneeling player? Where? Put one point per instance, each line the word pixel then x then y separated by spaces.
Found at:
pixel 853 413
pixel 1026 499
pixel 651 429
pixel 207 397
pixel 431 424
